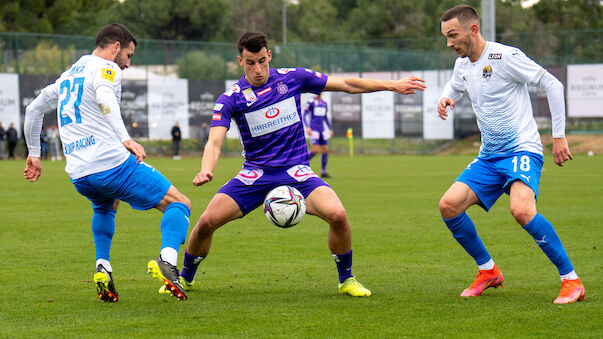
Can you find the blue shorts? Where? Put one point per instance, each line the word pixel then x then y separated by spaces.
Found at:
pixel 140 185
pixel 250 186
pixel 490 177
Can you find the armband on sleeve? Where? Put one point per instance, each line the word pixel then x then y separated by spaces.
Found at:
pixel 107 102
pixel 555 97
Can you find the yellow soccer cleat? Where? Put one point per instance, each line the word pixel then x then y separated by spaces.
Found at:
pixel 188 286
pixel 168 274
pixel 352 287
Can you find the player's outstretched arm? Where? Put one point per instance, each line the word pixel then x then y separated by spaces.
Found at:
pixel 408 85
pixel 561 151
pixel 211 154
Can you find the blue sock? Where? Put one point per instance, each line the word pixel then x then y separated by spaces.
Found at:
pixel 545 236
pixel 174 225
pixel 344 265
pixel 103 228
pixel 189 268
pixel 463 230
pixel 311 155
pixel 324 159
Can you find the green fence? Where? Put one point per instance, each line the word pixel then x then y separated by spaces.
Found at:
pixel 27 53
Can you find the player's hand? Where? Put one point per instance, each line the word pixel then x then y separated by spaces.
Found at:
pixel 202 178
pixel 409 85
pixel 136 149
pixel 561 151
pixel 309 130
pixel 442 107
pixel 33 169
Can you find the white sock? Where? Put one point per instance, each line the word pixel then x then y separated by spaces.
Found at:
pixel 105 264
pixel 487 266
pixel 169 255
pixel 570 276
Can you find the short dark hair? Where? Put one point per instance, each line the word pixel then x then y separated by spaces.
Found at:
pixel 463 13
pixel 112 33
pixel 253 42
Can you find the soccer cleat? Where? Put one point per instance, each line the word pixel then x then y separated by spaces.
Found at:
pixel 571 291
pixel 485 279
pixel 104 285
pixel 188 286
pixel 325 175
pixel 352 287
pixel 169 275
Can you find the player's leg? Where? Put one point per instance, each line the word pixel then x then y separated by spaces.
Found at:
pixel 478 184
pixel 522 202
pixel 324 149
pixel 325 204
pixel 103 227
pixel 313 150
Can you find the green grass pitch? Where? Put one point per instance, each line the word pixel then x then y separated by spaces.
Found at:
pixel 262 281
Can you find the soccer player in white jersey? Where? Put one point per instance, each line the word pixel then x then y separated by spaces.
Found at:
pixel 510 159
pixel 103 163
pixel 265 104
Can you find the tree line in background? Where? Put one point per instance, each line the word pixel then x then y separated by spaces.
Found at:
pixel 309 21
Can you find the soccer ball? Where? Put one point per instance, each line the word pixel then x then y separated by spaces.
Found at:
pixel 284 206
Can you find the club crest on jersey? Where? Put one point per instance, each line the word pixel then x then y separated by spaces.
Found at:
pixel 249 96
pixel 487 73
pixel 108 74
pixel 494 56
pixel 282 88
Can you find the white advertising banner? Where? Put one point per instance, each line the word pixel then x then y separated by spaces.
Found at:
pixel 435 128
pixel 9 101
pixel 167 104
pixel 378 115
pixel 585 90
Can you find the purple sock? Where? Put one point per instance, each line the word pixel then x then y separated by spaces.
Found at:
pixel 325 158
pixel 344 265
pixel 189 267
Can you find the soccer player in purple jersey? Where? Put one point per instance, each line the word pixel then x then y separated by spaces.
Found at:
pixel 319 129
pixel 265 104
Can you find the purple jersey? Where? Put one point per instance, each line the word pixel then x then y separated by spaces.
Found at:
pixel 315 115
pixel 269 117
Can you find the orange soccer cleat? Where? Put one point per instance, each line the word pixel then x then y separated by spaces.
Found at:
pixel 571 291
pixel 484 279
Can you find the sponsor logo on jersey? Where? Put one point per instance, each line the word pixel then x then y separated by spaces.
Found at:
pixel 264 91
pixel 218 107
pixel 285 70
pixel 108 74
pixel 79 144
pixel 217 116
pixel 249 96
pixel 272 118
pixel 282 88
pixel 494 56
pixel 487 73
pixel 234 89
pixel 318 74
pixel 272 112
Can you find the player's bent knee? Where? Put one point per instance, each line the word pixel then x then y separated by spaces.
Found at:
pixel 523 215
pixel 339 217
pixel 448 209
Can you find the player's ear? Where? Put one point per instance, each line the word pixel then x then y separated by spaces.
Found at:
pixel 240 60
pixel 116 47
pixel 269 55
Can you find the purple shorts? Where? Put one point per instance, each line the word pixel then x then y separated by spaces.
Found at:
pixel 318 138
pixel 249 188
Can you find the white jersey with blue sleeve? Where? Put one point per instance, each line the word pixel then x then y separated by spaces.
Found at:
pixel 90 144
pixel 497 86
